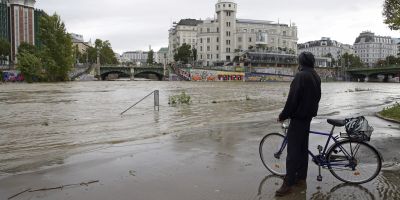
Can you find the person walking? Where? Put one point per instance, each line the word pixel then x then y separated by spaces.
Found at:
pixel 301 106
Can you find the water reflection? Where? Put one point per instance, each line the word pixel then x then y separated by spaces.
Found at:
pixel 343 191
pixel 271 183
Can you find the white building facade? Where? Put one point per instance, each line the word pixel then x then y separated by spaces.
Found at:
pixel 371 48
pixel 183 32
pixel 221 39
pixel 325 47
pixel 135 56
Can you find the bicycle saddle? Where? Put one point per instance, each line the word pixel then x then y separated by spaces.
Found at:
pixel 336 122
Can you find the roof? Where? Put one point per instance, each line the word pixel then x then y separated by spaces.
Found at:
pixel 163 49
pixel 252 21
pixel 189 22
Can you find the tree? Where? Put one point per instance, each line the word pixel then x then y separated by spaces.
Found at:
pixel 183 54
pixel 30 66
pixel 56 49
pixel 150 57
pixel 391 14
pixel 350 61
pixel 5 49
pixel 194 54
pixel 107 55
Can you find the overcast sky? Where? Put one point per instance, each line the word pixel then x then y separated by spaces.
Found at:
pixel 136 24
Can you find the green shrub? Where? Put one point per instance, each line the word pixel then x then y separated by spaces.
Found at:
pixel 182 98
pixel 392 112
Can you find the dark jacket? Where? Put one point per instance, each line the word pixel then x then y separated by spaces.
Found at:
pixel 304 96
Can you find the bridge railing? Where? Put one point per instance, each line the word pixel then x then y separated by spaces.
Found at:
pixel 156 101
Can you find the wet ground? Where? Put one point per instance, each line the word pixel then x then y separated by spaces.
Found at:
pixel 71 133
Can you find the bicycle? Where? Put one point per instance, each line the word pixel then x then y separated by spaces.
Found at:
pixel 349 160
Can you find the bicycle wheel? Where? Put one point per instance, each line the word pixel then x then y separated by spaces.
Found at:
pixel 273 153
pixel 353 161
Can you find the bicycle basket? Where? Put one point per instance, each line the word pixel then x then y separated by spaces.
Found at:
pixel 358 129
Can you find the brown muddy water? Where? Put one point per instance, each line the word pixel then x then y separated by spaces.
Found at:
pixel 43 124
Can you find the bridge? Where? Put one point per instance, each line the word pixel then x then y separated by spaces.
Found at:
pixel 132 72
pixel 371 74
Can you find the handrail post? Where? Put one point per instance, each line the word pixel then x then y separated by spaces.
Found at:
pixel 157 100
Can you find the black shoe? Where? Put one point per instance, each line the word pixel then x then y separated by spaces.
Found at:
pixel 301 183
pixel 284 190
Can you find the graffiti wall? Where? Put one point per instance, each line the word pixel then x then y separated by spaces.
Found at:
pixel 261 77
pixel 276 70
pixel 211 75
pixel 12 76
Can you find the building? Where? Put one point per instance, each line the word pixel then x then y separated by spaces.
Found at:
pixel 220 39
pixel 371 48
pixel 17 23
pixel 78 41
pixel 4 21
pixel 162 55
pixel 183 32
pixel 325 48
pixel 135 56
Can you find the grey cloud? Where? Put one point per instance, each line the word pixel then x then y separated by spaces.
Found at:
pixel 135 24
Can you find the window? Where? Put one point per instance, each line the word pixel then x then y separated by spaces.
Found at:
pixel 208 56
pixel 208 48
pixel 217 56
pixel 208 30
pixel 217 47
pixel 239 39
pixel 228 24
pixel 217 39
pixel 228 33
pixel 249 39
pixel 217 29
pixel 228 50
pixel 229 5
pixel 228 42
pixel 201 48
pixel 224 5
pixel 201 40
pixel 284 33
pixel 208 40
pixel 201 56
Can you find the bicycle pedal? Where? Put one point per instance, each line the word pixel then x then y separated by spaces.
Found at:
pixel 319 178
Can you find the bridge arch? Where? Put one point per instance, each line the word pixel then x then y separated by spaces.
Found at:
pixel 104 75
pixel 144 73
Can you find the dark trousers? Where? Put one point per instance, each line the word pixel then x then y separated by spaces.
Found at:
pixel 297 150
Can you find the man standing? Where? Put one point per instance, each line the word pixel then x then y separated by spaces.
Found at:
pixel 301 106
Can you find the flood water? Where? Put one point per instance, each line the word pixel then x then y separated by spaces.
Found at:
pixel 42 124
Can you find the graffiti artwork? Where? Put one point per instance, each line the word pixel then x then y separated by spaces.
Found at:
pixel 211 75
pixel 12 76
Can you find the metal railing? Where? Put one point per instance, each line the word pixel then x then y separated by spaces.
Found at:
pixel 156 101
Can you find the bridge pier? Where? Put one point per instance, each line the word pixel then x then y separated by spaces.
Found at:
pixel 132 74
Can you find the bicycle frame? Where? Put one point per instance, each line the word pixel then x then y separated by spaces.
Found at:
pixel 320 159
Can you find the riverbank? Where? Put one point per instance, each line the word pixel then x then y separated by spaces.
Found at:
pixel 218 162
pixel 391 113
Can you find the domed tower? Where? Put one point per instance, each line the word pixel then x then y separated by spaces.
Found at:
pixel 226 16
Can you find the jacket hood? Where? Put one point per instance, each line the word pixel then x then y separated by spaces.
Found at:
pixel 306 59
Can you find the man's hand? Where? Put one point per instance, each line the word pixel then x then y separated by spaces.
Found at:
pixel 279 120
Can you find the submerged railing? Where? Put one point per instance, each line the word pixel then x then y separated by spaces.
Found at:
pixel 156 101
